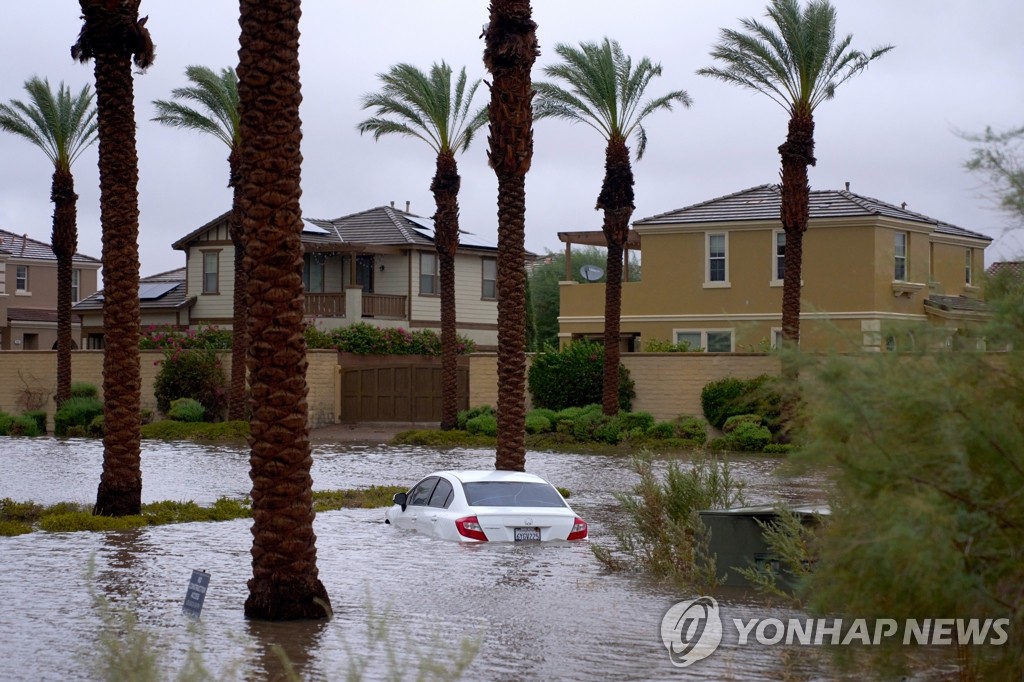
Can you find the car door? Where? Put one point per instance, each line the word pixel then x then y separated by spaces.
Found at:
pixel 416 502
pixel 433 520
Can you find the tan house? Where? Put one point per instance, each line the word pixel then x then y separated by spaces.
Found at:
pixel 28 292
pixel 378 266
pixel 162 303
pixel 712 276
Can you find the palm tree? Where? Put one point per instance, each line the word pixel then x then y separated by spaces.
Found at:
pixel 425 106
pixel 216 113
pixel 285 583
pixel 63 126
pixel 798 63
pixel 511 49
pixel 112 36
pixel 605 91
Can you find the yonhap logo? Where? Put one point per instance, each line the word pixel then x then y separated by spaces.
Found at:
pixel 691 630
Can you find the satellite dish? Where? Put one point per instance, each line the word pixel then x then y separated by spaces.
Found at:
pixel 591 273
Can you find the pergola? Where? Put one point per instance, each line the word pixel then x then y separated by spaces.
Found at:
pixel 596 238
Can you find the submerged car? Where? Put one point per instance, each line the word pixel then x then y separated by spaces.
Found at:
pixel 486 506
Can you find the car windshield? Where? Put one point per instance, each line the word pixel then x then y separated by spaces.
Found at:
pixel 511 494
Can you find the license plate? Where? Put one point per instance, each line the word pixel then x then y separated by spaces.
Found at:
pixel 527 534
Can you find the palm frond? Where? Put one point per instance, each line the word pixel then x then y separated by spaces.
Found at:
pixel 209 105
pixel 60 124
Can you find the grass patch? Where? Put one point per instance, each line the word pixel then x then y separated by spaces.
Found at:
pixel 200 432
pixel 17 518
pixel 550 440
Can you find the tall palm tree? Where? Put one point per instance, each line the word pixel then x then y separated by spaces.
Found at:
pixel 285 583
pixel 216 113
pixel 799 62
pixel 424 106
pixel 63 126
pixel 113 36
pixel 603 90
pixel 511 49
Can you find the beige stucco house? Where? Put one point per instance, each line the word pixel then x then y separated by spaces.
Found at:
pixel 378 266
pixel 28 292
pixel 712 276
pixel 162 303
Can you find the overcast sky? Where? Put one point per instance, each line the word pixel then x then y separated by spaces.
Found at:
pixel 890 132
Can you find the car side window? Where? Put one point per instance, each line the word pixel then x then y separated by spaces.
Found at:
pixel 442 495
pixel 420 494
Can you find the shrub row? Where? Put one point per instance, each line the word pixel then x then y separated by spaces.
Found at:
pixel 574 377
pixel 365 339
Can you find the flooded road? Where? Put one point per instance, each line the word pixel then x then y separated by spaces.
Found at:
pixel 536 612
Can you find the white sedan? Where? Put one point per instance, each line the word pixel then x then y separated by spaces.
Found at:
pixel 482 506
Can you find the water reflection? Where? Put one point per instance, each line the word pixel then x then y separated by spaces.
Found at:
pixel 538 612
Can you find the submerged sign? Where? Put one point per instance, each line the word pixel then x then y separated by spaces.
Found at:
pixel 196 593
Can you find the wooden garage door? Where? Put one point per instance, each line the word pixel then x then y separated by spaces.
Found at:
pixel 396 388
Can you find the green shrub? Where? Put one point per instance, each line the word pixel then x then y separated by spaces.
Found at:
pixel 636 420
pixel 365 339
pixel 76 412
pixel 550 415
pixel 484 424
pixel 186 410
pixel 731 396
pixel 607 429
pixel 537 423
pixel 663 346
pixel 195 374
pixel 82 389
pixel 168 339
pixel 465 415
pixel 661 430
pixel 691 428
pixel 749 437
pixel 735 421
pixel 778 448
pixel 39 416
pixel 5 424
pixel 23 426
pixel 573 377
pixel 196 431
pixel 95 428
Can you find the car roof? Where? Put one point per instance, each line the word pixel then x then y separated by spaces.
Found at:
pixel 492 476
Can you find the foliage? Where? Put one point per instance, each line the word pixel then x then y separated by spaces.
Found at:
pixel 794 545
pixel 926 457
pixel 483 424
pixel 39 417
pixel 166 338
pixel 664 535
pixel 83 389
pixel 537 423
pixel 192 373
pixel 999 156
pixel 442 439
pixel 573 376
pixel 186 410
pixel 732 396
pixel 365 339
pixel 465 415
pixel 691 428
pixel 366 498
pixel 663 346
pixel 203 432
pixel 76 411
pixel 747 436
pixel 20 425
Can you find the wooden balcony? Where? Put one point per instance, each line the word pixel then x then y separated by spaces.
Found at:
pixel 325 305
pixel 377 306
pixel 387 306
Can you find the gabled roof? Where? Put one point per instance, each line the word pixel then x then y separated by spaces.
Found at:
pixel 21 246
pixel 182 244
pixel 764 203
pixel 165 290
pixel 389 226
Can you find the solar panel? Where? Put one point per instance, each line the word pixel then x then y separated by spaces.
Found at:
pixel 426 228
pixel 153 290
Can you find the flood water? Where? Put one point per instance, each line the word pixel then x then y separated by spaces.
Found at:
pixel 536 612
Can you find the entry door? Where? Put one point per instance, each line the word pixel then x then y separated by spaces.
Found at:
pixel 364 273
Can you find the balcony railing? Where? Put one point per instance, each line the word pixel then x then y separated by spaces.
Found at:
pixel 325 305
pixel 384 305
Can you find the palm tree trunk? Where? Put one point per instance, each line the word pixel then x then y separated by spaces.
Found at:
pixel 445 187
pixel 285 583
pixel 111 35
pixel 65 242
pixel 240 309
pixel 797 154
pixel 616 199
pixel 511 49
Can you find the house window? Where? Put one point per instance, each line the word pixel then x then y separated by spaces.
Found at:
pixel 713 341
pixel 211 272
pixel 313 272
pixel 776 338
pixel 76 281
pixel 900 252
pixel 968 273
pixel 94 342
pixel 779 256
pixel 717 264
pixel 21 278
pixel 489 289
pixel 428 274
pixel 30 342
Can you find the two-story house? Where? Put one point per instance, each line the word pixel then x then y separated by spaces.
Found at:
pixel 377 266
pixel 162 303
pixel 712 276
pixel 28 292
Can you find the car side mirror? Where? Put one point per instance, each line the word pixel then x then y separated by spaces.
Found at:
pixel 400 500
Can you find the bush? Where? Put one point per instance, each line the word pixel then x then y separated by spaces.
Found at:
pixel 365 339
pixel 39 416
pixel 76 412
pixel 196 431
pixel 95 428
pixel 20 425
pixel 731 396
pixel 82 389
pixel 636 420
pixel 166 338
pixel 465 415
pixel 662 346
pixel 573 377
pixel 483 424
pixel 195 374
pixel 691 428
pixel 661 431
pixel 749 437
pixel 186 410
pixel 5 424
pixel 537 423
pixel 734 422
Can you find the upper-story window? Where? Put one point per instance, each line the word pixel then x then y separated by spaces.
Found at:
pixel 900 257
pixel 76 285
pixel 21 278
pixel 717 262
pixel 313 272
pixel 968 271
pixel 211 272
pixel 779 259
pixel 428 274
pixel 489 287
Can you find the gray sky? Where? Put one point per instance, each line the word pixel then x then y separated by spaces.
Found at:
pixel 890 131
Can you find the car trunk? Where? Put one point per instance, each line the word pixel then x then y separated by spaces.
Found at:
pixel 508 524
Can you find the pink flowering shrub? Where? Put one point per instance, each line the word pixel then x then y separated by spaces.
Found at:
pixel 366 339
